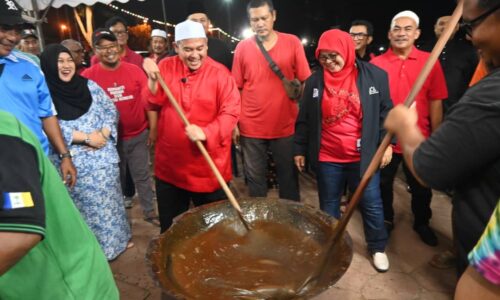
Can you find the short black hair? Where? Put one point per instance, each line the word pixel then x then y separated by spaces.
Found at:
pixel 260 3
pixel 114 20
pixel 367 24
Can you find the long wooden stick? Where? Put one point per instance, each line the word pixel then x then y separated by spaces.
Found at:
pixel 377 158
pixel 204 152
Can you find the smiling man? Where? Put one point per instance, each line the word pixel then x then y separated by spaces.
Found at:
pixel 403 62
pixel 118 26
pixel 24 90
pixel 158 45
pixel 268 114
pixel 123 82
pixel 464 153
pixel 209 97
pixel 361 32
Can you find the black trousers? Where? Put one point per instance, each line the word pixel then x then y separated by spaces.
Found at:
pixel 255 162
pixel 129 187
pixel 420 195
pixel 173 201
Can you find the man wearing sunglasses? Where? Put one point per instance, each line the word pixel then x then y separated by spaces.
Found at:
pixel 464 154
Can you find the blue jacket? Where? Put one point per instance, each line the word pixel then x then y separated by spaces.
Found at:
pixel 373 87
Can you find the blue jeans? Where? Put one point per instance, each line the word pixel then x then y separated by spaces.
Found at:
pixel 332 178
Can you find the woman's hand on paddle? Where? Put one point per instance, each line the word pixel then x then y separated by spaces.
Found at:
pixel 386 159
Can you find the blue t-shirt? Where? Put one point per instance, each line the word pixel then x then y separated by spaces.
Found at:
pixel 24 93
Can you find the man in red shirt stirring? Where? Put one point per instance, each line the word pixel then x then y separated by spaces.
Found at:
pixel 267 113
pixel 209 97
pixel 403 62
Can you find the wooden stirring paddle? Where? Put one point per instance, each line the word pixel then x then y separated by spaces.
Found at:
pixel 377 158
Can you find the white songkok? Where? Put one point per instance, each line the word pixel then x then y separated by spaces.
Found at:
pixel 189 30
pixel 159 33
pixel 406 14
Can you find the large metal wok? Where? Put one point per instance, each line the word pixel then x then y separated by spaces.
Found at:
pixel 312 223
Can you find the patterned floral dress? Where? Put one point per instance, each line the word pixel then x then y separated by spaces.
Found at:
pixel 97 193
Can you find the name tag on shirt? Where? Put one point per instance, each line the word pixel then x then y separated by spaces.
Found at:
pixel 315 93
pixel 17 200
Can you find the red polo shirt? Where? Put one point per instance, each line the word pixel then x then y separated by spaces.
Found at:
pixel 402 75
pixel 266 110
pixel 210 99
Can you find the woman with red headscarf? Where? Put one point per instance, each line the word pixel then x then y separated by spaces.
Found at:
pixel 339 128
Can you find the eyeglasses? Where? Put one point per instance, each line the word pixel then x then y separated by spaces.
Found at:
pixel 358 35
pixel 117 33
pixel 325 57
pixel 468 27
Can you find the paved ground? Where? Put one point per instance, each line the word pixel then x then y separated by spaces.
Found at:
pixel 410 275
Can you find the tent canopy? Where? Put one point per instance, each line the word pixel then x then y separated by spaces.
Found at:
pixel 42 4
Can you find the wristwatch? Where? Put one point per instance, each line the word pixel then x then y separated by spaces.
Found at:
pixel 65 155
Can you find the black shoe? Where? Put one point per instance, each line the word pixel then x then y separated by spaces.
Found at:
pixel 389 226
pixel 427 235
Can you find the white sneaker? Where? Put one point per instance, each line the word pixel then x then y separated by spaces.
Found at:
pixel 380 261
pixel 128 202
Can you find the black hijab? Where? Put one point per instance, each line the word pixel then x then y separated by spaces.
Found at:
pixel 72 99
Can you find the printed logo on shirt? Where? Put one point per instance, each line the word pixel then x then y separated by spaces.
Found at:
pixel 26 77
pixel 315 93
pixel 372 90
pixel 116 93
pixel 17 200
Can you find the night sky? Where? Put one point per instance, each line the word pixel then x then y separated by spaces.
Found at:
pixel 304 18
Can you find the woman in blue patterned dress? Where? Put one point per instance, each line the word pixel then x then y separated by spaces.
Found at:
pixel 88 121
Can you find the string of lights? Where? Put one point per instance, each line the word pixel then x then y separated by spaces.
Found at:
pixel 146 20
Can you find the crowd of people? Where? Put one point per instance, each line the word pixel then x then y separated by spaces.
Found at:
pixel 75 140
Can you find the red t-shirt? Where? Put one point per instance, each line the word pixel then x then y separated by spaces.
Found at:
pixel 266 110
pixel 340 141
pixel 210 99
pixel 130 57
pixel 124 86
pixel 402 75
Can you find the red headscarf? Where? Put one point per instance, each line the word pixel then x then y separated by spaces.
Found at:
pixel 341 94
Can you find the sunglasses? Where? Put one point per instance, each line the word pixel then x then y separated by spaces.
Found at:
pixel 468 27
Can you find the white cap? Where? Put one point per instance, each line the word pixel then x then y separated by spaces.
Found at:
pixel 189 30
pixel 159 33
pixel 406 14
